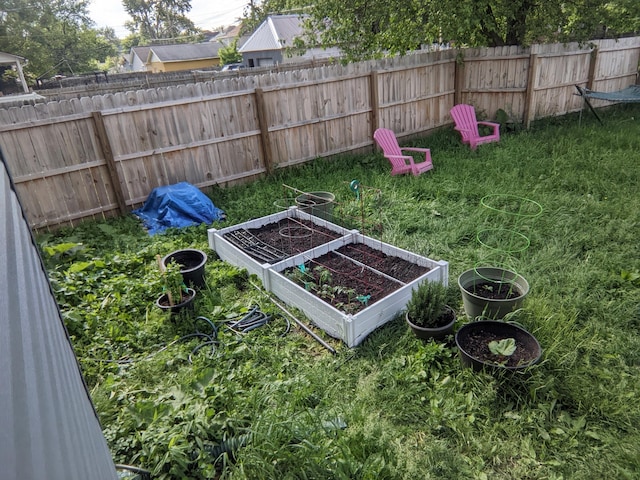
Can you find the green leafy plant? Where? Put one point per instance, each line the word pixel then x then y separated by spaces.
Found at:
pixel 323 275
pixel 631 276
pixel 505 347
pixel 573 418
pixel 427 304
pixel 173 283
pixel 301 276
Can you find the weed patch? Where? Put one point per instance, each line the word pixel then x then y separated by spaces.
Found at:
pixel 274 405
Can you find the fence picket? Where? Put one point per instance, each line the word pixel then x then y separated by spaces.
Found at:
pixel 230 128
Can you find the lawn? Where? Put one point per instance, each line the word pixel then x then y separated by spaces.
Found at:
pixel 275 404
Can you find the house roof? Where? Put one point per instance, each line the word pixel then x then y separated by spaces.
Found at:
pixel 7 58
pixel 141 52
pixel 228 33
pixel 183 52
pixel 275 33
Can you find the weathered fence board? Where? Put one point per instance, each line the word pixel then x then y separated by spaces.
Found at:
pixel 98 156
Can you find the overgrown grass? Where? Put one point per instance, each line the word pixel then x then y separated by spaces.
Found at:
pixel 271 406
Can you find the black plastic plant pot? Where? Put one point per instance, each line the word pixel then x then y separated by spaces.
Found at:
pixel 437 333
pixel 187 304
pixel 473 341
pixel 191 263
pixel 471 283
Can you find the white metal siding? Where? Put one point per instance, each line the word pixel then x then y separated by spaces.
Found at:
pixel 48 427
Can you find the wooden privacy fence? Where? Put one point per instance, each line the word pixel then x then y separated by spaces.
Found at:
pixel 101 156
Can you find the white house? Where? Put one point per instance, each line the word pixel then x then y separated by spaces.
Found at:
pixel 269 43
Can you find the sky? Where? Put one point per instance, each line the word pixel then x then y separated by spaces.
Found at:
pixel 206 14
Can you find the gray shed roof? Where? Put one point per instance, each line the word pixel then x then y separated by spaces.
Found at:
pixel 275 33
pixel 184 52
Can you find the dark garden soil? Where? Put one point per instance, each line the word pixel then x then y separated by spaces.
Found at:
pixel 393 266
pixel 477 345
pixel 495 290
pixel 276 241
pixel 350 278
pixel 352 286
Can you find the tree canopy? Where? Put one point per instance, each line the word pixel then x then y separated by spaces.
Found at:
pixel 229 53
pixel 56 37
pixel 256 12
pixel 154 20
pixel 365 29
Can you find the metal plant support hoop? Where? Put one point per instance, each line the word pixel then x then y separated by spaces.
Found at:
pixel 284 203
pixel 297 232
pixel 491 238
pixel 504 239
pixel 512 205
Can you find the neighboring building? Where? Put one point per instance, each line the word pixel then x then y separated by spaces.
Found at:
pixel 19 93
pixel 15 62
pixel 184 56
pixel 269 43
pixel 227 35
pixel 138 59
pixel 171 58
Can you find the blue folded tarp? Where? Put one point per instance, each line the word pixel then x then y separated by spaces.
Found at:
pixel 177 206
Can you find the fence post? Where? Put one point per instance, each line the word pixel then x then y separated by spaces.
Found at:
pixel 593 60
pixel 107 152
pixel 533 70
pixel 265 140
pixel 458 78
pixel 373 93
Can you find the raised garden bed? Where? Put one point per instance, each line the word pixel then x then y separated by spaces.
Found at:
pixel 276 241
pixel 354 283
pixel 258 243
pixel 347 319
pixel 354 276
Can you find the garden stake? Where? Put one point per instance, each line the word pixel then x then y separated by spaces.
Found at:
pixel 302 325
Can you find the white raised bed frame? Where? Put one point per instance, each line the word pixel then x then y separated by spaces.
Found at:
pixel 350 328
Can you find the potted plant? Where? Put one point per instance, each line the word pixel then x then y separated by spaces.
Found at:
pixel 427 313
pixel 176 295
pixel 497 344
pixel 192 262
pixel 492 292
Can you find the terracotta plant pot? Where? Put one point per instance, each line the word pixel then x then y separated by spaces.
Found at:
pixel 191 263
pixel 437 333
pixel 473 339
pixel 476 304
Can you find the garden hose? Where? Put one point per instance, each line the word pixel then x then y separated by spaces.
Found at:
pixel 211 339
pixel 252 320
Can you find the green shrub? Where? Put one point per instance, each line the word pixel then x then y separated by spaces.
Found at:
pixel 427 304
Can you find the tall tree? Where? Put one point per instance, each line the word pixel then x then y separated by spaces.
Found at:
pixel 55 36
pixel 229 53
pixel 366 28
pixel 155 20
pixel 256 11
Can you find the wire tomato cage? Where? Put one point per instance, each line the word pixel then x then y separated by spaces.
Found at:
pixel 359 209
pixel 504 236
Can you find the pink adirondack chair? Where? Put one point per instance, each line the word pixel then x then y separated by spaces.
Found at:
pixel 400 162
pixel 467 125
